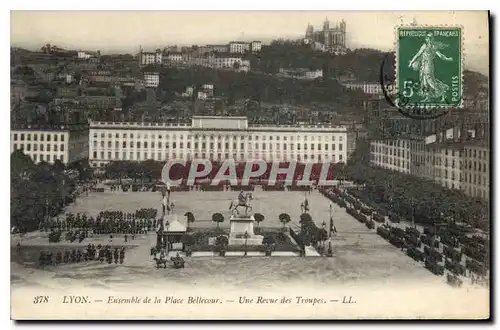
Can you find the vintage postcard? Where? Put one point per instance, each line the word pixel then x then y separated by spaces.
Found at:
pixel 250 165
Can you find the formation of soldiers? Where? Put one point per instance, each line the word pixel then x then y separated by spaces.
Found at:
pixel 106 222
pixel 91 253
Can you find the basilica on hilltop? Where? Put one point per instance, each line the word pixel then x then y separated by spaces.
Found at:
pixel 329 38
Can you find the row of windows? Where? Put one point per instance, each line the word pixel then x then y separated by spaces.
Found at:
pixel 444 174
pixel 475 179
pixel 384 148
pixel 473 191
pixel 399 153
pixel 477 166
pixel 397 143
pixel 43 137
pixel 481 154
pixel 39 147
pixel 47 158
pixel 390 161
pixel 159 156
pixel 211 145
pixel 438 161
pixel 211 137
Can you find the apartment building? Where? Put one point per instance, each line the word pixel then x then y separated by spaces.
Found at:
pixel 454 165
pixel 256 46
pixel 239 47
pixel 66 143
pixel 391 154
pixel 149 58
pixel 151 79
pixel 476 169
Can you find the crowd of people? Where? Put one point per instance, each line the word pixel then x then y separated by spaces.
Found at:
pixel 90 253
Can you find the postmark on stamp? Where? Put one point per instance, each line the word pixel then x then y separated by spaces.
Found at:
pixel 429 67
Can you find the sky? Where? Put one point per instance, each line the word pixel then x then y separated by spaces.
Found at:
pixel 126 31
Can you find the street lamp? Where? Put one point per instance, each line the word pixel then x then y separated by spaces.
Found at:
pixel 323 226
pixel 246 242
pixel 166 234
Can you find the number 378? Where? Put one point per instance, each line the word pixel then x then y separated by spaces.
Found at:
pixel 408 88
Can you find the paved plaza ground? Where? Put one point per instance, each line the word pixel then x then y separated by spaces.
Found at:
pixel 359 254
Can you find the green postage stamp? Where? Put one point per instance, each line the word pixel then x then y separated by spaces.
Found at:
pixel 429 67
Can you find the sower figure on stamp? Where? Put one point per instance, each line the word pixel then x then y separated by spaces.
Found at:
pixel 423 62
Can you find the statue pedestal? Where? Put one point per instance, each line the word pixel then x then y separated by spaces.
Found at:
pixel 241 225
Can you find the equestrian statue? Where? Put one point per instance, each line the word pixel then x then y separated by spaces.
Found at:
pixel 243 201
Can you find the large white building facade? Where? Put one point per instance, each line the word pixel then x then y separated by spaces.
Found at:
pixel 216 138
pixel 454 165
pixel 148 58
pixel 67 144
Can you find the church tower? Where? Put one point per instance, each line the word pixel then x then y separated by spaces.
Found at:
pixel 326 25
pixel 343 33
pixel 309 32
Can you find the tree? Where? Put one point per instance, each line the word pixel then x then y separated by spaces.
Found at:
pixel 412 197
pixel 284 219
pixel 305 218
pixel 20 164
pixel 259 217
pixel 187 239
pixel 307 225
pixel 339 171
pixel 58 166
pixel 218 218
pixel 152 169
pixel 221 241
pixel 190 218
pixel 268 240
pixel 33 201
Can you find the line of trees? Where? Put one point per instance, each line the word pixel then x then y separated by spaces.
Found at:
pixel 39 190
pixel 412 197
pixel 148 170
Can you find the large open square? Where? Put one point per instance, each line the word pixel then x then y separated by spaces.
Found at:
pixel 360 255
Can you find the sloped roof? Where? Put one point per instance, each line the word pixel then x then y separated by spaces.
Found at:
pixel 175 226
